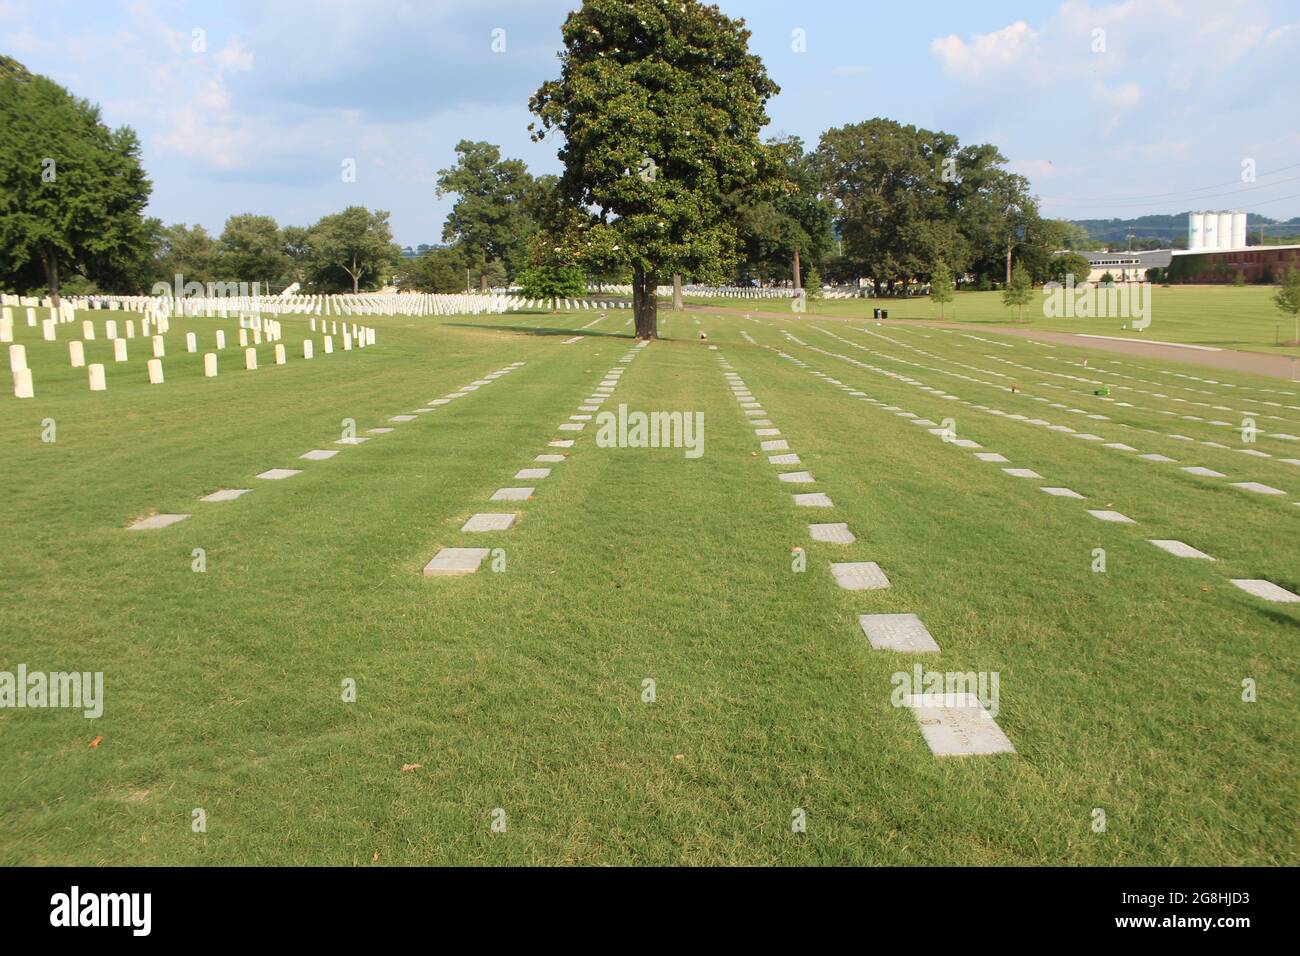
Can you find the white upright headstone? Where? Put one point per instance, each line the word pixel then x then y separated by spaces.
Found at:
pixel 159 348
pixel 210 365
pixel 88 330
pixel 329 344
pixel 279 353
pixel 23 383
pixel 307 348
pixel 110 329
pixel 31 318
pixel 130 328
pixel 221 340
pixel 243 338
pixel 47 330
pixel 6 330
pixel 347 341
pixel 191 342
pixel 17 358
pixel 119 350
pixel 98 383
pixel 250 359
pixel 155 372
pixel 76 354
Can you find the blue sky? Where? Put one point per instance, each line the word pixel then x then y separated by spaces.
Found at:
pixel 1161 118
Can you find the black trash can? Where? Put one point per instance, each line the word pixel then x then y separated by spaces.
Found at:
pixel 875 313
pixel 884 313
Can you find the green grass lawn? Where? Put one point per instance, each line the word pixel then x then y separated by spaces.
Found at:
pixel 1222 316
pixel 522 689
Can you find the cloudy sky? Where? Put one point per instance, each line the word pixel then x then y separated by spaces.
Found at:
pixel 1110 109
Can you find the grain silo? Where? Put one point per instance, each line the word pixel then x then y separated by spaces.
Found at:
pixel 1210 234
pixel 1239 230
pixel 1225 230
pixel 1196 230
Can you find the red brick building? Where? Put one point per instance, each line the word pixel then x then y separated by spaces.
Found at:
pixel 1255 263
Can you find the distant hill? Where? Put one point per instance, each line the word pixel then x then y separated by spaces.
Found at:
pixel 1167 228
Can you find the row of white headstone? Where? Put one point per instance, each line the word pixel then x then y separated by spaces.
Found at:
pixel 24 386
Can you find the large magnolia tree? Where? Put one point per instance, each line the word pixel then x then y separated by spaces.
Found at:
pixel 660 105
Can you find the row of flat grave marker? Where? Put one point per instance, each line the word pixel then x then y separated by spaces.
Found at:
pixel 155 521
pixel 1249 486
pixel 951 725
pixel 1256 587
pixel 457 562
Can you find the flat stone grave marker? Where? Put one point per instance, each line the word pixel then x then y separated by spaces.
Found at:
pixel 549 458
pixel 489 522
pixel 1022 473
pixel 1086 436
pixel 441 401
pixel 817 500
pixel 588 408
pixel 791 459
pixel 529 474
pixel 837 533
pixel 1179 549
pixel 990 456
pixel 560 443
pixel 904 633
pixel 279 474
pixel 1119 446
pixel 965 443
pixel 402 418
pixel 796 477
pixel 1062 493
pixel 1257 488
pixel 354 440
pixel 225 494
pixel 1266 590
pixel 923 421
pixel 1253 452
pixel 156 521
pixel 1112 516
pixel 378 431
pixel 859 576
pixel 573 426
pixel 455 561
pixel 1164 458
pixel 957 725
pixel 1204 472
pixel 512 494
pixel 319 455
pixel 766 432
pixel 779 444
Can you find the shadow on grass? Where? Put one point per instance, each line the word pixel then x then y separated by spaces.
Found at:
pixel 545 332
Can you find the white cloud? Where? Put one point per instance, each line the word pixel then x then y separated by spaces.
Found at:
pixel 986 52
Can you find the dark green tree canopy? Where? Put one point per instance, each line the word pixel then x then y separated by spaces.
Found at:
pixel 72 191
pixel 495 197
pixel 660 104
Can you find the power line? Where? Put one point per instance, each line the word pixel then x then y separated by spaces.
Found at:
pixel 1177 192
pixel 1168 202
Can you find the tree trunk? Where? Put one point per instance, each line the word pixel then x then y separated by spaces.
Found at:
pixel 1009 248
pixel 50 262
pixel 645 307
pixel 798 278
pixel 677 292
pixel 482 282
